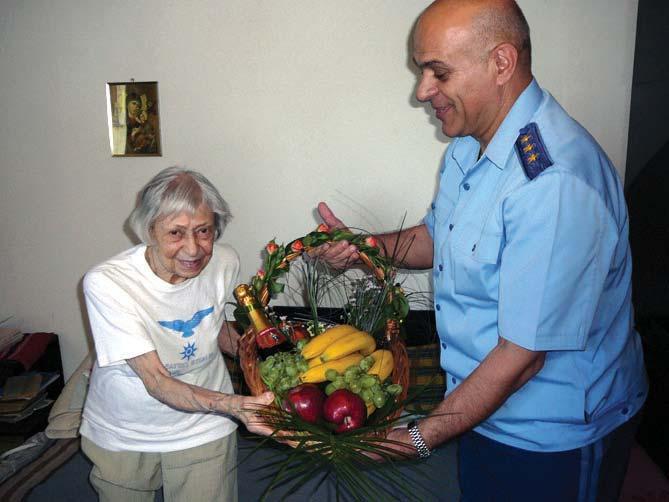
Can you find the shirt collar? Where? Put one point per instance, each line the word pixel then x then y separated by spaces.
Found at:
pixel 520 114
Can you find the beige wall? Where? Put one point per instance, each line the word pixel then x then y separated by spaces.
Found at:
pixel 280 103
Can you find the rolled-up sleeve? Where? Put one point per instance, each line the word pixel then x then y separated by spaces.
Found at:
pixel 559 242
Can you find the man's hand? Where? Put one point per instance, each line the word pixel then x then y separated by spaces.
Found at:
pixel 340 254
pixel 404 450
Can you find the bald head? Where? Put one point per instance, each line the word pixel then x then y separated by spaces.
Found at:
pixel 488 23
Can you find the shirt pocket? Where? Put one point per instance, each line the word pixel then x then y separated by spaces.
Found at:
pixel 476 266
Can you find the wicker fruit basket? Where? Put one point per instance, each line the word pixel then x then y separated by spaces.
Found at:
pixel 277 262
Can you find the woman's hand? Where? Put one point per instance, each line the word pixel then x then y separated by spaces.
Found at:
pixel 186 397
pixel 246 409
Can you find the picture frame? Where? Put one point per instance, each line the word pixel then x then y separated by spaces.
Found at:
pixel 133 119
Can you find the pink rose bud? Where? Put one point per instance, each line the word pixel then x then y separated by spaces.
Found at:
pixel 323 228
pixel 260 274
pixel 271 247
pixel 297 246
pixel 371 241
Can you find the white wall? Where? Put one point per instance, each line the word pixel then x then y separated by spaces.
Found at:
pixel 280 103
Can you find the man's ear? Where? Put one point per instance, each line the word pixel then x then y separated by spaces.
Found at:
pixel 505 59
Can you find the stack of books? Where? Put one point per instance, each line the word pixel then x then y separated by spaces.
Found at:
pixel 9 337
pixel 22 395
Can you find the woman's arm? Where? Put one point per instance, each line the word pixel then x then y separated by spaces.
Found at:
pixel 228 339
pixel 185 397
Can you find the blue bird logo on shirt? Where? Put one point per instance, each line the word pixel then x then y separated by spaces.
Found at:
pixel 186 327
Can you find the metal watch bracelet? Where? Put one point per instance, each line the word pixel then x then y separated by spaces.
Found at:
pixel 417 439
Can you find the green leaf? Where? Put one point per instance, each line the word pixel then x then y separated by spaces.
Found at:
pixel 276 288
pixel 341 234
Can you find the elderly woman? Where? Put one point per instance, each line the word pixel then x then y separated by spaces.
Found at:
pixel 160 407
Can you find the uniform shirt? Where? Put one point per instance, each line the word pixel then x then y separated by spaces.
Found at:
pixel 132 311
pixel 544 263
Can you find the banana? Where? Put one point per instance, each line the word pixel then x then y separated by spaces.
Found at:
pixel 317 373
pixel 314 362
pixel 353 342
pixel 319 343
pixel 370 408
pixel 383 364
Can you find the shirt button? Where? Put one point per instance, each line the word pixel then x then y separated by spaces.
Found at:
pixel 466 186
pixel 432 205
pixel 450 227
pixel 443 345
pixel 625 410
pixel 453 379
pixel 441 267
pixel 438 307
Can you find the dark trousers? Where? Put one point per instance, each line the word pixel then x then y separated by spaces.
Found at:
pixel 492 471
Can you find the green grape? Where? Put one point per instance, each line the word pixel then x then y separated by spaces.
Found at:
pixel 367 381
pixel 294 382
pixel 300 344
pixel 331 374
pixel 330 388
pixel 351 374
pixel 291 370
pixel 376 388
pixel 352 370
pixel 355 387
pixel 379 399
pixel 284 384
pixel 264 368
pixel 366 363
pixel 339 384
pixel 394 389
pixel 302 366
pixel 366 395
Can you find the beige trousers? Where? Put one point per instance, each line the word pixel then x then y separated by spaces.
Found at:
pixel 203 473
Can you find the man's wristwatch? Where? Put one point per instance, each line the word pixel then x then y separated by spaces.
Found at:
pixel 417 439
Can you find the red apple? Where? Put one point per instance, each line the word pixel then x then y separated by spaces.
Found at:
pixel 299 332
pixel 306 401
pixel 345 409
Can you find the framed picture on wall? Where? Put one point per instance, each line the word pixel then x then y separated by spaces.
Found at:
pixel 134 121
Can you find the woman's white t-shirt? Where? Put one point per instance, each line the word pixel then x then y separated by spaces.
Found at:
pixel 132 311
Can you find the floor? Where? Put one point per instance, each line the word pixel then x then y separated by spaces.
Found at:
pixel 645 482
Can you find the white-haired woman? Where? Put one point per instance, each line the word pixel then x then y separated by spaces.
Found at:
pixel 160 406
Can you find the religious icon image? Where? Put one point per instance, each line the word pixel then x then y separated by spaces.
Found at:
pixel 132 109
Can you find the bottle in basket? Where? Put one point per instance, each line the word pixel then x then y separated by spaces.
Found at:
pixel 268 338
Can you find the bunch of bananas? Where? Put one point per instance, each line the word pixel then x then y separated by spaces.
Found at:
pixel 336 348
pixel 348 358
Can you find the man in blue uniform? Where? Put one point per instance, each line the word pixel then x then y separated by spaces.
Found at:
pixel 528 241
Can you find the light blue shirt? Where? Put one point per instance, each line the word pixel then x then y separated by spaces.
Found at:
pixel 544 263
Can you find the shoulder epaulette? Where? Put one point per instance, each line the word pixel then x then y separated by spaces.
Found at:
pixel 532 151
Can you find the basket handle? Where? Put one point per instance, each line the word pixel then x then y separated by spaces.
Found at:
pixel 379 273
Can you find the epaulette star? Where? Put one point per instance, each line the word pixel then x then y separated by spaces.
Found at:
pixel 532 151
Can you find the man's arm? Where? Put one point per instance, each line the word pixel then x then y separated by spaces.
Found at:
pixel 228 339
pixel 412 247
pixel 505 370
pixel 185 397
